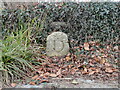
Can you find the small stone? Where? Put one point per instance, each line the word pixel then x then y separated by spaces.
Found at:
pixel 74 82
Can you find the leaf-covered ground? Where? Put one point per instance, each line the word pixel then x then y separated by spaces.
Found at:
pixel 100 64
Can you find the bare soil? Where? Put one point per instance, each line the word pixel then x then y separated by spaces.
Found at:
pixel 68 83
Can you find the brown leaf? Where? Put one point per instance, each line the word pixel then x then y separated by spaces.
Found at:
pixel 42 81
pixel 93 56
pixel 115 74
pixel 32 83
pixel 91 64
pixel 109 70
pixel 107 64
pixel 73 72
pixel 92 72
pixel 34 4
pixel 47 73
pixel 13 84
pixel 68 58
pixel 102 61
pixel 36 76
pixel 65 72
pixel 85 69
pixel 41 75
pixel 40 72
pixel 85 72
pixel 104 55
pixel 97 70
pixel 86 46
pixel 70 66
pixel 96 59
pixel 59 72
pixel 115 70
pixel 92 68
pixel 53 75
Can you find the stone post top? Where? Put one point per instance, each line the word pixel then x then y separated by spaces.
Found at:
pixel 58 33
pixel 60 36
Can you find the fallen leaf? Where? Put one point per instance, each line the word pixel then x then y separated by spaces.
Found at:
pixel 32 83
pixel 68 58
pixel 36 76
pixel 92 72
pixel 115 70
pixel 70 66
pixel 13 84
pixel 92 68
pixel 97 59
pixel 59 72
pixel 97 70
pixel 109 70
pixel 104 55
pixel 73 72
pixel 93 56
pixel 85 69
pixel 65 72
pixel 41 75
pixel 74 82
pixel 53 75
pixel 43 81
pixel 86 46
pixel 115 74
pixel 102 61
pixel 47 73
pixel 107 64
pixel 91 64
pixel 85 72
pixel 34 4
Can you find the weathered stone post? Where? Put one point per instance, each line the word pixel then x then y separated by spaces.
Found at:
pixel 57 44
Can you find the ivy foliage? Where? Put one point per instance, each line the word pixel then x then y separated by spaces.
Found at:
pixel 87 21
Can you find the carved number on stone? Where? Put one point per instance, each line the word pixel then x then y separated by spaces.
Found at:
pixel 58 46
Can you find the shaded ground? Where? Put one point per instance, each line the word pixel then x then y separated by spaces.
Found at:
pixel 68 83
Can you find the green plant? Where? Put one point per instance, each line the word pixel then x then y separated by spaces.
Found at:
pixel 15 55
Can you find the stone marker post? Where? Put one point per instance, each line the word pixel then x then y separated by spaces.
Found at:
pixel 57 44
